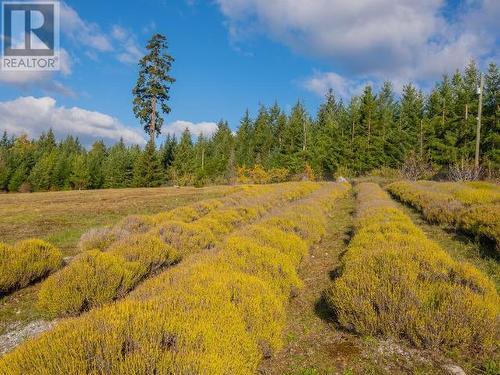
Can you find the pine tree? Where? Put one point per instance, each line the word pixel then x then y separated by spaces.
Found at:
pixel 153 86
pixel 183 166
pixel 220 165
pixel 147 168
pixel 263 137
pixel 118 167
pixel 244 142
pixel 491 117
pixel 79 177
pixel 95 161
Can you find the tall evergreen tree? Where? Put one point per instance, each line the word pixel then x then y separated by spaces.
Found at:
pixel 153 85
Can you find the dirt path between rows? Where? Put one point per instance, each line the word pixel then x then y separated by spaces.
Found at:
pixel 315 345
pixel 312 345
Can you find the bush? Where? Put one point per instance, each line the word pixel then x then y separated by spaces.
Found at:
pixel 455 204
pixel 26 262
pixel 187 238
pixel 92 279
pixel 398 283
pixel 416 168
pixel 483 221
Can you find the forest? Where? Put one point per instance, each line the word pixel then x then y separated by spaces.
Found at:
pixel 372 131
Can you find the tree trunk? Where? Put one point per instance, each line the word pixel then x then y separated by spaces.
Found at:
pixel 152 127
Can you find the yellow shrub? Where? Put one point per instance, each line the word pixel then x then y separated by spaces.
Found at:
pixel 186 238
pixel 454 203
pixel 398 283
pixel 261 309
pixel 258 175
pixel 25 262
pixel 288 243
pixel 92 279
pixel 482 221
pixel 99 238
pixel 264 262
pixel 181 336
pixel 135 224
pixel 146 249
pixel 279 175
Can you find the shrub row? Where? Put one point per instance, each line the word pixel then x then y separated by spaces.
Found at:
pixel 466 193
pixel 25 262
pixel 218 313
pixel 481 220
pixel 149 243
pixel 395 282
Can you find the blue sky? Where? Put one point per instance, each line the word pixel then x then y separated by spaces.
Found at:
pixel 234 54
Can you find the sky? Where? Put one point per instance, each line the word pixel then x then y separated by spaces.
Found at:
pixel 232 55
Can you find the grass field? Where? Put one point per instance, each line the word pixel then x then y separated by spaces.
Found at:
pixel 296 278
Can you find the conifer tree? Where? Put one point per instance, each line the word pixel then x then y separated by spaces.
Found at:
pixel 147 168
pixel 153 85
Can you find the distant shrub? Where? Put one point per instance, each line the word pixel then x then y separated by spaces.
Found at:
pixel 385 172
pixel 457 204
pixel 482 221
pixel 416 168
pixel 25 262
pixel 398 283
pixel 258 175
pixel 277 175
pixel 464 171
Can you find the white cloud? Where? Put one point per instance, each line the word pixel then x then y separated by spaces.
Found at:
pixel 42 79
pixel 119 40
pixel 385 39
pixel 81 31
pixel 177 127
pixel 35 115
pixel 129 50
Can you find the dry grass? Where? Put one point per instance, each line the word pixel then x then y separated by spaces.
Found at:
pixel 62 217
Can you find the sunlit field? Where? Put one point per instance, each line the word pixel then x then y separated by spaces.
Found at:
pixel 219 280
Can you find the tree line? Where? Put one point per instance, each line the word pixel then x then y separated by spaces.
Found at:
pixel 370 131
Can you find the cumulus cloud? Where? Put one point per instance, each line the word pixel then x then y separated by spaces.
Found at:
pixel 119 41
pixel 81 31
pixel 33 116
pixel 177 127
pixel 129 50
pixel 382 39
pixel 321 82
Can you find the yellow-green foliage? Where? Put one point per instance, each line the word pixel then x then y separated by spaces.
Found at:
pixel 95 277
pixel 92 279
pixel 482 220
pixel 25 262
pixel 468 194
pixel 140 245
pixel 147 249
pixel 437 207
pixel 218 313
pixel 398 283
pixel 455 204
pixel 186 237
